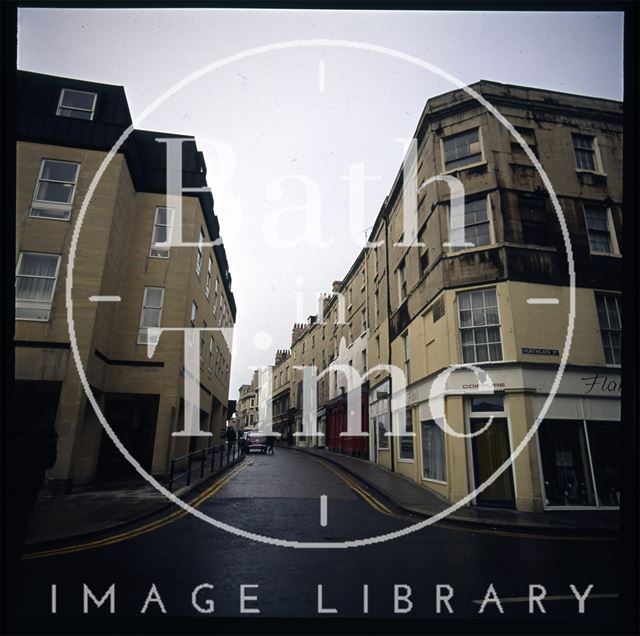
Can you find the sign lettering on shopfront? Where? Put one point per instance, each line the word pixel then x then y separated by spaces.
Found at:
pixel 603 383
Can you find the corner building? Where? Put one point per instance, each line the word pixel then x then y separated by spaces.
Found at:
pixel 65 129
pixel 502 300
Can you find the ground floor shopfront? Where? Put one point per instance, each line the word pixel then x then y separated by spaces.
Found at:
pixel 565 449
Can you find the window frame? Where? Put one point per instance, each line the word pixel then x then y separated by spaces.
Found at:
pixel 207 286
pixel 618 303
pixel 595 149
pixel 83 110
pixel 451 249
pixel 614 249
pixel 145 306
pixel 166 250
pixel 444 481
pixel 461 328
pixel 200 252
pixel 473 164
pixel 408 460
pixel 403 288
pixel 53 289
pixel 54 205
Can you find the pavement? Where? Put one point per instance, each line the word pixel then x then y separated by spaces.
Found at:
pixel 413 498
pixel 93 511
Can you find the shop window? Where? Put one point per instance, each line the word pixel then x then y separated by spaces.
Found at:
pixel 406 441
pixel 479 325
pixel 433 452
pixel 576 455
pixel 382 424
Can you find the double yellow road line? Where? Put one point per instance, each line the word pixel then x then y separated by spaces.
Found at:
pixel 149 527
pixel 376 504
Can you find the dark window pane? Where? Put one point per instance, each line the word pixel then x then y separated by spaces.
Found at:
pixel 604 442
pixel 565 464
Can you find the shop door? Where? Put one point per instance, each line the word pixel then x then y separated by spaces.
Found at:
pixel 490 450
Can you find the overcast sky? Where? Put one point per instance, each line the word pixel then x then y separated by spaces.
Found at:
pixel 310 112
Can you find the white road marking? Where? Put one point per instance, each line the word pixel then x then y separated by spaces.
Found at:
pixel 543 301
pixel 323 510
pixel 105 299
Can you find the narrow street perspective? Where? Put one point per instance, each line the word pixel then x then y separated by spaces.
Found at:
pixel 317 322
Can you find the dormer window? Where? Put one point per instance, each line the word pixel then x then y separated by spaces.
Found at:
pixel 76 104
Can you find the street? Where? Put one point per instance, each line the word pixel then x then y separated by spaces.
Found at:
pixel 280 496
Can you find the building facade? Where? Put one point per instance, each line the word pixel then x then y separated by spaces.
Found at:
pixel 124 284
pixel 522 285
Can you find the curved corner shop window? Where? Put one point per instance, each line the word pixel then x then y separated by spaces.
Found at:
pixel 581 462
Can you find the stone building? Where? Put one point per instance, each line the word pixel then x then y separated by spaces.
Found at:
pixel 124 284
pixel 489 287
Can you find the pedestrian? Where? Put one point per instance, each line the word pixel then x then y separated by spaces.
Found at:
pixel 290 438
pixel 271 439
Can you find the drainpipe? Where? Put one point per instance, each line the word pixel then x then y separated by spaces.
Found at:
pixel 392 444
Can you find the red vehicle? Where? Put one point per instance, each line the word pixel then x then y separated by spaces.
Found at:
pixel 256 441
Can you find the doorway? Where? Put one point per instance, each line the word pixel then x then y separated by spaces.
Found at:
pixel 490 450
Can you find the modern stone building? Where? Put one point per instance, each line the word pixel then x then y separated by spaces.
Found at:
pixel 492 288
pixel 65 130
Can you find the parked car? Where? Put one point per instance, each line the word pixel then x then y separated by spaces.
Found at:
pixel 256 441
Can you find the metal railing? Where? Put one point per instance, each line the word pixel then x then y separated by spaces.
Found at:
pixel 207 460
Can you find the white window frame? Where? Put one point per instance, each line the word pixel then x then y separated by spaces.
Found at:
pixel 461 329
pixel 210 353
pixel 433 480
pixel 53 205
pixel 207 287
pixel 412 459
pixel 25 303
pixel 161 252
pixel 468 165
pixel 618 298
pixel 597 159
pixel 451 249
pixel 613 239
pixel 199 253
pixel 145 340
pixel 84 110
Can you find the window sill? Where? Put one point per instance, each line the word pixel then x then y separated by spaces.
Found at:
pixel 596 173
pixel 162 258
pixel 609 254
pixel 403 460
pixel 49 218
pixel 470 250
pixel 477 164
pixel 33 319
pixel 434 481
